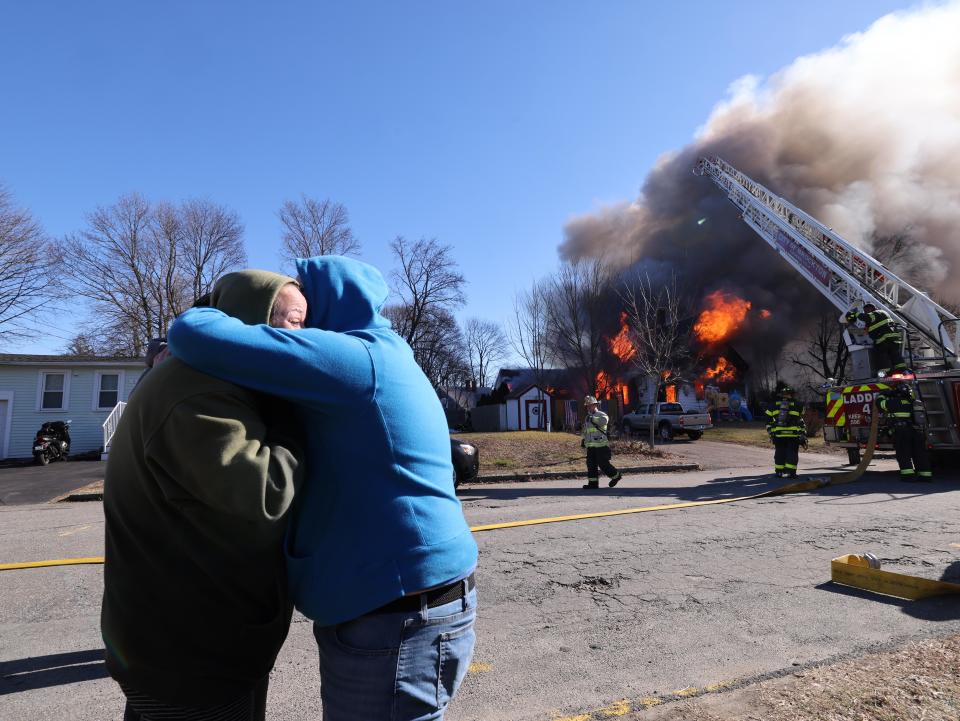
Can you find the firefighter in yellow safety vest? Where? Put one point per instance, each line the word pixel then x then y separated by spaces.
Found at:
pixel 787 430
pixel 597 443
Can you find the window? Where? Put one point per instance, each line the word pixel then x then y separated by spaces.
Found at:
pixel 107 391
pixel 53 391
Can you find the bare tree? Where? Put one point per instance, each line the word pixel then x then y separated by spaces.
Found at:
pixel 26 260
pixel 82 344
pixel 438 347
pixel 529 331
pixel 657 317
pixel 428 281
pixel 486 346
pixel 316 227
pixel 578 313
pixel 825 351
pixel 211 243
pixel 140 266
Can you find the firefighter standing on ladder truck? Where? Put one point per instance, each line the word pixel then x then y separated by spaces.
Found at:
pixel 787 430
pixel 908 435
pixel 887 342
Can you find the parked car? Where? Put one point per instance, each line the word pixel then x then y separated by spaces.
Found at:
pixel 466 461
pixel 672 420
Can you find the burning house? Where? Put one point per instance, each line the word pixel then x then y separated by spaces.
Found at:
pixel 716 377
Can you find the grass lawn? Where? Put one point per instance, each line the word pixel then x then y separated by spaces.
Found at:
pixel 510 451
pixel 754 433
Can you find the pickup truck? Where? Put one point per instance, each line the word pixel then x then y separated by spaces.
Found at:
pixel 671 421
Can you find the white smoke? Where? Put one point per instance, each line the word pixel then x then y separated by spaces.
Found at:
pixel 864 136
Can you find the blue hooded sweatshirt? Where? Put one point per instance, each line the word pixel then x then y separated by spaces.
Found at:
pixel 378 517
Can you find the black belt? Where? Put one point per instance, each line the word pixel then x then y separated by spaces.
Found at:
pixel 435 597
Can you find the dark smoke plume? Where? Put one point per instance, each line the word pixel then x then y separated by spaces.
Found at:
pixel 864 136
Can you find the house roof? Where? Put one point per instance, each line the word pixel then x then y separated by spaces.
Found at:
pixel 20 359
pixel 561 383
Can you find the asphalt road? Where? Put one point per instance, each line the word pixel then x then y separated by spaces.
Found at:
pixel 31 483
pixel 576 615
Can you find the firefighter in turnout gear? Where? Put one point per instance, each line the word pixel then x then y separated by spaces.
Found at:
pixel 787 430
pixel 597 443
pixel 908 434
pixel 887 341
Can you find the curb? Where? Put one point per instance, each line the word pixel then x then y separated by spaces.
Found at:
pixel 524 477
pixel 499 478
pixel 77 497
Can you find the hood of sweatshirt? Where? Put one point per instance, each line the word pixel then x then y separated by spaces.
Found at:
pixel 248 295
pixel 342 294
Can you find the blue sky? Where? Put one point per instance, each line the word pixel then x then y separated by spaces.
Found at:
pixel 486 125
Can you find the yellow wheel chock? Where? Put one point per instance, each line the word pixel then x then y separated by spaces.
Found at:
pixel 864 572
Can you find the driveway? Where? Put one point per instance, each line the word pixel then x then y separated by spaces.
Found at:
pixel 39 484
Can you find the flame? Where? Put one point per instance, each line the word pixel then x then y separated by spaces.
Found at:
pixel 609 388
pixel 723 370
pixel 723 316
pixel 620 345
pixel 669 390
pixel 764 313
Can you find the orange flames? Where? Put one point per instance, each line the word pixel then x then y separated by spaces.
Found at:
pixel 725 313
pixel 765 313
pixel 620 344
pixel 722 371
pixel 610 389
pixel 670 390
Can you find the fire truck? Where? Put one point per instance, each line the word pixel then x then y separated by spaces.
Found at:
pixel 848 277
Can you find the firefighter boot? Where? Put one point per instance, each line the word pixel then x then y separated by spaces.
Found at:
pixel 615 480
pixel 592 483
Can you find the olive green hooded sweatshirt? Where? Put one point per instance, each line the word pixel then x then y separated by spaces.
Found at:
pixel 199 480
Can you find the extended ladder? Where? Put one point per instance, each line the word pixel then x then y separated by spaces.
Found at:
pixel 844 274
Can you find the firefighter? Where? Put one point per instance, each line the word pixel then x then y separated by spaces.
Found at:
pixel 887 341
pixel 597 443
pixel 787 430
pixel 908 434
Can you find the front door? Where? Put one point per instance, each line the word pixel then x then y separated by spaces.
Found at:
pixel 536 415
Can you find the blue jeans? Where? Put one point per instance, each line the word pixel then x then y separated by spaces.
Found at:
pixel 404 666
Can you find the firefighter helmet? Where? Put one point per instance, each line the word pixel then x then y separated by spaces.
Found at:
pixel 589 401
pixel 869 307
pixel 784 390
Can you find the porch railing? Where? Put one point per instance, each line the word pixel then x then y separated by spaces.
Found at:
pixel 110 425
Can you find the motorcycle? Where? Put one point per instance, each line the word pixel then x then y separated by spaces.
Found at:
pixel 52 442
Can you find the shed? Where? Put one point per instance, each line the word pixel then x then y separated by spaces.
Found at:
pixel 527 409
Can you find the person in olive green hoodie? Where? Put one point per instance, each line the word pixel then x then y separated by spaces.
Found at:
pixel 199 480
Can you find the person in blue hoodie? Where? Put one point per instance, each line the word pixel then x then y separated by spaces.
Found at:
pixel 378 553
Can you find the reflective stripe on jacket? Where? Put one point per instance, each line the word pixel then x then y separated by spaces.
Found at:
pixel 595 429
pixel 897 408
pixel 785 420
pixel 880 327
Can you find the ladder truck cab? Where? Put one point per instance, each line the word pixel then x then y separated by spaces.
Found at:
pixel 850 278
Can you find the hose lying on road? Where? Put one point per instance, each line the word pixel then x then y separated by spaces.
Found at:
pixel 809 484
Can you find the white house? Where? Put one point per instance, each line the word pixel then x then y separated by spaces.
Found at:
pixel 35 389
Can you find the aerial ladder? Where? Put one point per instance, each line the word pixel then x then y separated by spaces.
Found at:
pixel 849 277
